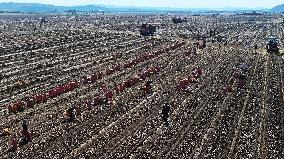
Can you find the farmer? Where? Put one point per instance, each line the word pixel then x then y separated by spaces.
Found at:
pixel 165 113
pixel 14 144
pixel 148 87
pixel 26 136
pixel 69 114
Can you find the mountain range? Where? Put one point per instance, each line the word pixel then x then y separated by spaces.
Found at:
pixel 278 9
pixel 45 8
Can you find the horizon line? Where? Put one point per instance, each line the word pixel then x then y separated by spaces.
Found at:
pixel 110 5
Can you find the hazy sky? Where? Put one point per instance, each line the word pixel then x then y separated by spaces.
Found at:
pixel 163 3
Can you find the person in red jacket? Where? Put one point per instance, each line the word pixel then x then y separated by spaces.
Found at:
pixel 109 96
pixel 11 108
pixel 183 84
pixel 14 144
pixel 78 111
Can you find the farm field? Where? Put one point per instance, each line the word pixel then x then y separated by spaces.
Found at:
pixel 224 90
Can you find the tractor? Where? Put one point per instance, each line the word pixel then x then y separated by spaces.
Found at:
pixel 147 30
pixel 272 45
